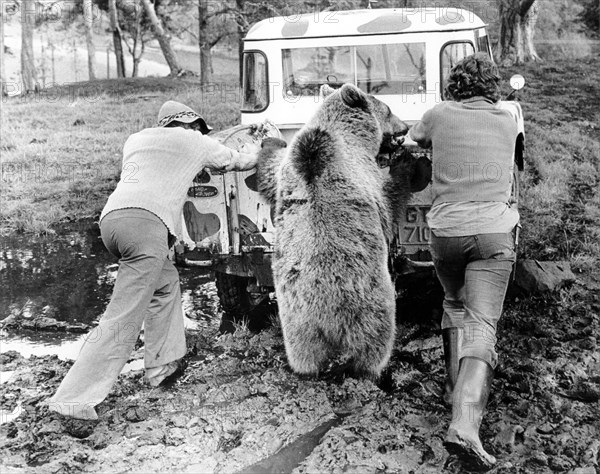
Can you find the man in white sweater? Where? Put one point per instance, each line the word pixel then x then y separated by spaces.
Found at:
pixel 139 223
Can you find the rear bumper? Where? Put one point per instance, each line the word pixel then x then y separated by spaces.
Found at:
pixel 251 263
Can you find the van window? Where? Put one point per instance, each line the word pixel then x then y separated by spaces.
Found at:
pixel 377 69
pixel 451 54
pixel 255 90
pixel 483 45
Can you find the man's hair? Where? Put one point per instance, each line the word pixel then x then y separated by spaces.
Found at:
pixel 175 123
pixel 475 75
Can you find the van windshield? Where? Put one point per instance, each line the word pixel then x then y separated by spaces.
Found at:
pixel 377 69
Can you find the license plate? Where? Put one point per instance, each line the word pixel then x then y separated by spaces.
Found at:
pixel 414 230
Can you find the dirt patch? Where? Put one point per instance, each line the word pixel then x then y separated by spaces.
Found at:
pixel 239 404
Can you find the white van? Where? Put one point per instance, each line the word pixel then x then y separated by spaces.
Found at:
pixel 402 56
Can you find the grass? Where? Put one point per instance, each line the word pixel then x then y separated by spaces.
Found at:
pixel 560 198
pixel 61 149
pixel 54 170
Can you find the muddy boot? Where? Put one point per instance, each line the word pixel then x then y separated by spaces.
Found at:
pixel 452 338
pixel 468 404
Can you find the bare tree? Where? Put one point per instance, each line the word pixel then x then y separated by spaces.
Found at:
pixel 206 41
pixel 88 18
pixel 136 31
pixel 517 27
pixel 117 37
pixel 28 70
pixel 164 39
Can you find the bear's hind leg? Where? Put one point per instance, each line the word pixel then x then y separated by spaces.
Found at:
pixel 306 348
pixel 371 356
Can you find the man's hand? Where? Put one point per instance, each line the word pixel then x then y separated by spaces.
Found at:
pixel 273 142
pixel 249 148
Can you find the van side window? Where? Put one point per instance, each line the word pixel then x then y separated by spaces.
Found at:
pixel 255 95
pixel 451 54
pixel 483 45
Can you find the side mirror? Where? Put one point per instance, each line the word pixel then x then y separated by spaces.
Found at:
pixel 517 82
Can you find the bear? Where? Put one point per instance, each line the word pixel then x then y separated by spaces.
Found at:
pixel 333 220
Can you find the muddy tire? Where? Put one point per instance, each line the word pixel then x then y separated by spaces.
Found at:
pixel 239 307
pixel 233 293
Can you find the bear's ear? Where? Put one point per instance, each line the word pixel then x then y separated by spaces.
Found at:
pixel 354 97
pixel 326 90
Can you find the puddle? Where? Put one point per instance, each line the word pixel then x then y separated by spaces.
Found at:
pixel 69 277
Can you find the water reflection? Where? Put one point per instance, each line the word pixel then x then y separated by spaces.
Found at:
pixel 69 277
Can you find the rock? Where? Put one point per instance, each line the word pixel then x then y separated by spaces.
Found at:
pixel 136 413
pixel 10 321
pixel 534 276
pixel 584 391
pixel 179 421
pixel 100 439
pixel 546 428
pixel 590 456
pixel 151 438
pixel 175 437
pixel 80 428
pixel 560 463
pixel 507 437
pixel 53 426
pixel 539 458
pixel 77 327
pixel 275 445
pixel 45 323
pixel 419 345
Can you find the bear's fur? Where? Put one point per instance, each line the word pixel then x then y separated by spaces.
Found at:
pixel 334 210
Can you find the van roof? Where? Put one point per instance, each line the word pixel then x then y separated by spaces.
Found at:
pixel 364 22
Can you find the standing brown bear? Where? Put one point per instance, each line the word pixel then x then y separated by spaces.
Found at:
pixel 334 209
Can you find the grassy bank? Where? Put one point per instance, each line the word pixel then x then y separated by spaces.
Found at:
pixel 61 149
pixel 560 196
pixel 61 152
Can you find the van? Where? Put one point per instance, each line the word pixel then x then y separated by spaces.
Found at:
pixel 401 56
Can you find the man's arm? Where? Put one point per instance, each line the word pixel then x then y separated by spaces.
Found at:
pixel 421 131
pixel 222 158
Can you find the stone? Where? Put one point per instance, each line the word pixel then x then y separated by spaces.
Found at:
pixel 136 414
pixel 507 437
pixel 535 277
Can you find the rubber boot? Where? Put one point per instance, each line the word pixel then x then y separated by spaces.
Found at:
pixel 468 404
pixel 452 338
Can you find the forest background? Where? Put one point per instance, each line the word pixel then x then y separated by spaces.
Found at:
pixel 53 42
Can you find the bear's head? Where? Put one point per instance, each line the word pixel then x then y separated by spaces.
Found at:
pixel 393 129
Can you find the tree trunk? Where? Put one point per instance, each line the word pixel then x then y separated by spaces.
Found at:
pixel 163 38
pixel 242 29
pixel 517 27
pixel 2 68
pixel 28 71
pixel 88 16
pixel 203 44
pixel 528 27
pixel 117 37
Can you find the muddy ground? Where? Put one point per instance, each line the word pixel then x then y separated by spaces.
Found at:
pixel 239 408
pixel 239 404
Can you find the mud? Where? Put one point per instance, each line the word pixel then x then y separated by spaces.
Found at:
pixel 240 408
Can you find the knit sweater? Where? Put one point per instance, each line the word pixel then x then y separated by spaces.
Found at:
pixel 473 145
pixel 159 165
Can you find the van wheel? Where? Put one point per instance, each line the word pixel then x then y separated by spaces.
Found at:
pixel 239 305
